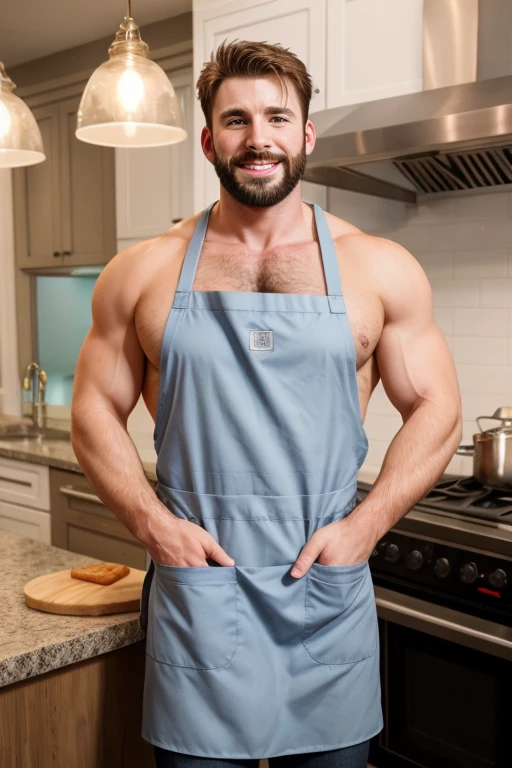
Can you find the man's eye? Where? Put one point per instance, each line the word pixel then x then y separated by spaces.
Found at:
pixel 239 120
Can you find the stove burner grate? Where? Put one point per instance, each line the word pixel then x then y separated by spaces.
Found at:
pixel 467 496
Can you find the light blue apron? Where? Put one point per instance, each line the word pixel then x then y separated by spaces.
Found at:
pixel 259 440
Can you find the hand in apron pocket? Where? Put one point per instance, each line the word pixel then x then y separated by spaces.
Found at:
pixel 340 614
pixel 194 619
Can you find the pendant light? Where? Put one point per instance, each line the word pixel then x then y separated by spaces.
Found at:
pixel 20 137
pixel 129 101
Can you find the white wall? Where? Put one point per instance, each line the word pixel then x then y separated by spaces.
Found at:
pixel 464 244
pixel 10 387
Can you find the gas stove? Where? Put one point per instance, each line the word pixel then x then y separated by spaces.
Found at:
pixel 454 548
pixel 443 589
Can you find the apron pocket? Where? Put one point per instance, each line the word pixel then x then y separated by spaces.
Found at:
pixel 340 615
pixel 193 619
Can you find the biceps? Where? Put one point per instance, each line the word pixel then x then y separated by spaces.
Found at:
pixel 110 371
pixel 415 365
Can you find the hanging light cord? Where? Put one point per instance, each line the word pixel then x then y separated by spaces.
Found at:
pixel 129 9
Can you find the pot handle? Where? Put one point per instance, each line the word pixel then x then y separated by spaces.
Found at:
pixel 466 450
pixel 504 422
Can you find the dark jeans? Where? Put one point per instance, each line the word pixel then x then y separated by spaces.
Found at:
pixel 348 757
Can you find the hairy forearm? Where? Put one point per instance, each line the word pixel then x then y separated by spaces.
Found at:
pixel 416 458
pixel 112 466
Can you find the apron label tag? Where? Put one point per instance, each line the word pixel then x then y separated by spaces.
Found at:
pixel 261 340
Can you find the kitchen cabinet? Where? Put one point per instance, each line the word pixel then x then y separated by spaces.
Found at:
pixel 64 207
pixel 81 523
pixel 154 184
pixel 25 499
pixel 374 50
pixel 87 713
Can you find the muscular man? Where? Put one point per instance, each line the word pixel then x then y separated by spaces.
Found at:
pixel 256 332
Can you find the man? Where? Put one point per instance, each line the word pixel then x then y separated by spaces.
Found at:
pixel 256 332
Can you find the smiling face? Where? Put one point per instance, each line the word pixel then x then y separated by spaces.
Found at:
pixel 259 143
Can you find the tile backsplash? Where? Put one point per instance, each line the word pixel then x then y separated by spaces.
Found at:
pixel 464 244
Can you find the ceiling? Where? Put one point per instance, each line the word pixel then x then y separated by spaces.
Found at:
pixel 30 28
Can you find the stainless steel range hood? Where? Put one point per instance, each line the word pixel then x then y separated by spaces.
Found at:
pixel 454 135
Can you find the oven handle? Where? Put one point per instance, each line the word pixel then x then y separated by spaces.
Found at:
pixel 445 623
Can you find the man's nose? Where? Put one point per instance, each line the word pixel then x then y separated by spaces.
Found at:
pixel 257 136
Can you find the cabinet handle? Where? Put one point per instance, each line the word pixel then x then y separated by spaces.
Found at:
pixel 16 481
pixel 56 254
pixel 67 253
pixel 68 490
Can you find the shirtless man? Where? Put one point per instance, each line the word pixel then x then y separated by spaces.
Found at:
pixel 256 369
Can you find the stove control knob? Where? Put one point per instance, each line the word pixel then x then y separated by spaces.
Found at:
pixel 392 553
pixel 414 560
pixel 442 567
pixel 498 579
pixel 469 573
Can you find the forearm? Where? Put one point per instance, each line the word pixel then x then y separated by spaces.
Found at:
pixel 112 466
pixel 417 456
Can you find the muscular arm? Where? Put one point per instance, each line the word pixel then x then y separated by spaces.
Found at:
pixel 107 385
pixel 419 377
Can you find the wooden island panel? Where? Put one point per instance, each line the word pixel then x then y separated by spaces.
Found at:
pixel 84 715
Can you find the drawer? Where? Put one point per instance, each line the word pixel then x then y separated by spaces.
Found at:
pixel 82 523
pixel 24 483
pixel 25 521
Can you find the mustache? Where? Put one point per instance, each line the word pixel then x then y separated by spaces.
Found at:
pixel 263 158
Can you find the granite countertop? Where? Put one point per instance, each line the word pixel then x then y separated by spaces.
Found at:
pixel 53 453
pixel 33 642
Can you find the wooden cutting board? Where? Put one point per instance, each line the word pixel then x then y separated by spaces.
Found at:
pixel 59 593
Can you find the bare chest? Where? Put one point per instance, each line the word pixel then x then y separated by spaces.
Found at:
pixel 295 271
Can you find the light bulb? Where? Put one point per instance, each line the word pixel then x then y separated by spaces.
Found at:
pixel 130 90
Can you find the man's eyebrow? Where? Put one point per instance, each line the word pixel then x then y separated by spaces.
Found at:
pixel 239 112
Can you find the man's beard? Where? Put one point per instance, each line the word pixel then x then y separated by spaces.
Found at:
pixel 261 191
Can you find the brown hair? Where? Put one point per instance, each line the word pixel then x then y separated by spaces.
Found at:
pixel 248 59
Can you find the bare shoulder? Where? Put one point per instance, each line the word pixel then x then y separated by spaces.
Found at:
pixel 132 270
pixel 119 284
pixel 389 270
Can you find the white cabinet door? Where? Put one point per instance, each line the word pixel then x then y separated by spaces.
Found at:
pixel 23 521
pixel 154 184
pixel 374 49
pixel 295 24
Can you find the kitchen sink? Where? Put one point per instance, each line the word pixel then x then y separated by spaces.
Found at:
pixel 30 432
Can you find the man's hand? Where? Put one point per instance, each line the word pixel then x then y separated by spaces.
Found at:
pixel 182 543
pixel 339 543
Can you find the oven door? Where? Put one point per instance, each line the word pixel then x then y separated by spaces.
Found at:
pixel 446 687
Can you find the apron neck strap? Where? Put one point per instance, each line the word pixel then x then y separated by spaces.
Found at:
pixel 327 250
pixel 191 259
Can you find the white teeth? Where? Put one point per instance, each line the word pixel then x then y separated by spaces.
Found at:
pixel 260 167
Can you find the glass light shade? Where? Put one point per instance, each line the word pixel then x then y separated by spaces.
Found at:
pixel 20 137
pixel 129 102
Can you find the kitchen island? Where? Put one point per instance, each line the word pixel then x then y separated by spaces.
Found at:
pixel 70 686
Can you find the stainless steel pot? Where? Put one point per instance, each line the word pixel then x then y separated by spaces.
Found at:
pixel 492 451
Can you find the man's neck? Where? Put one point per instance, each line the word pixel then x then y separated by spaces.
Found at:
pixel 261 228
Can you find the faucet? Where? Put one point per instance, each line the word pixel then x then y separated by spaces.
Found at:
pixel 39 405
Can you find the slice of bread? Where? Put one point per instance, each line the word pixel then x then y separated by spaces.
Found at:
pixel 101 573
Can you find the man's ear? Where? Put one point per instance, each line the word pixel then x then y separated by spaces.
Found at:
pixel 207 144
pixel 310 136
